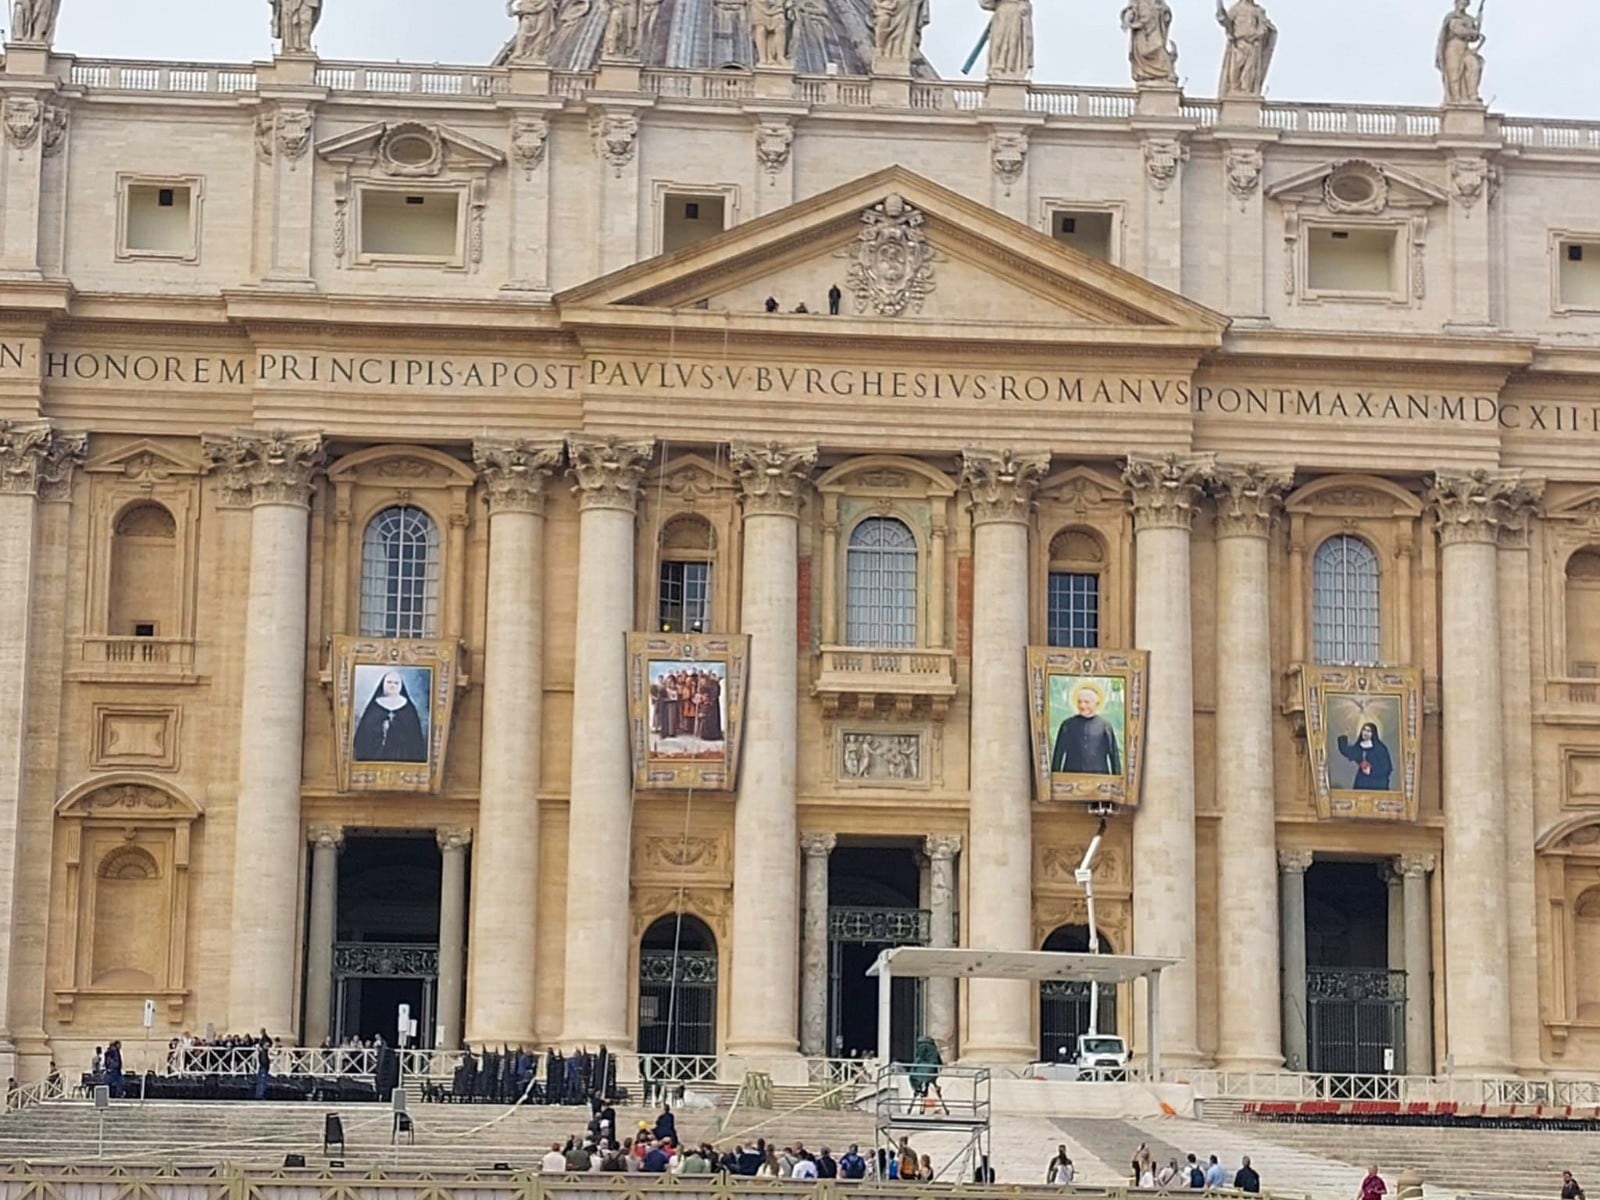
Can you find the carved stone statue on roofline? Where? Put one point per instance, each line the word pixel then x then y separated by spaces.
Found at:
pixel 1252 38
pixel 1459 56
pixel 34 21
pixel 1152 54
pixel 293 22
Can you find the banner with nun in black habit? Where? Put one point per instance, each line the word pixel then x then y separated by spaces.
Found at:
pixel 392 703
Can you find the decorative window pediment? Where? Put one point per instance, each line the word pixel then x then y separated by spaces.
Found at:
pixel 408 193
pixel 1356 230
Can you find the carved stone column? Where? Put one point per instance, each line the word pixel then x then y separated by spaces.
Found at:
pixel 1292 868
pixel 1414 871
pixel 1000 854
pixel 816 847
pixel 1477 981
pixel 1164 492
pixel 1516 678
pixel 765 868
pixel 506 861
pixel 942 849
pixel 273 473
pixel 600 814
pixel 36 462
pixel 322 928
pixel 1248 500
pixel 453 845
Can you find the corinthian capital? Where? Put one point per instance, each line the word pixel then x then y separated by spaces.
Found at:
pixel 818 845
pixel 1517 511
pixel 454 838
pixel 1002 483
pixel 942 845
pixel 608 470
pixel 1416 865
pixel 1471 506
pixel 1249 497
pixel 264 468
pixel 326 837
pixel 513 471
pixel 771 475
pixel 1295 861
pixel 37 460
pixel 1164 489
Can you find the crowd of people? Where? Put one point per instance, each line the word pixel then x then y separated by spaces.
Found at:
pixel 657 1150
pixel 1191 1172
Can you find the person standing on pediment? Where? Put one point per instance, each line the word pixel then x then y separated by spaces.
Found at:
pixel 293 22
pixel 1458 57
pixel 1148 24
pixel 1252 37
pixel 1010 38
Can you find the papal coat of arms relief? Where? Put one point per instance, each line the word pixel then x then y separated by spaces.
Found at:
pixel 891 260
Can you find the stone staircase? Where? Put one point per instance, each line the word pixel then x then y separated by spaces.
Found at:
pixel 447 1135
pixel 1499 1162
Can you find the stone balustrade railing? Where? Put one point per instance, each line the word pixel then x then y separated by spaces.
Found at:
pixel 466 83
pixel 1468 1092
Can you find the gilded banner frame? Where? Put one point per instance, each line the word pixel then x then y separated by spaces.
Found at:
pixel 1112 682
pixel 1339 702
pixel 701 674
pixel 358 713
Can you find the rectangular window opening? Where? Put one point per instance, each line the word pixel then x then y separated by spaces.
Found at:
pixel 1359 261
pixel 144 629
pixel 411 225
pixel 1073 610
pixel 1580 275
pixel 1089 232
pixel 158 219
pixel 688 219
pixel 683 597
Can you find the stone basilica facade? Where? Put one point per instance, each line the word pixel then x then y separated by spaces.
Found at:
pixel 342 401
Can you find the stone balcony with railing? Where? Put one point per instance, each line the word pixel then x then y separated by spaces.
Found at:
pixel 1065 104
pixel 901 681
pixel 167 659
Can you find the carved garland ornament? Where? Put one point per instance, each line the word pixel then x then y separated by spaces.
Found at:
pixel 53 129
pixel 22 118
pixel 1244 171
pixel 891 260
pixel 1162 157
pixel 1008 153
pixel 294 133
pixel 616 137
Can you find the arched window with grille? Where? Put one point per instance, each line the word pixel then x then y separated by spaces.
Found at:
pixel 400 574
pixel 881 584
pixel 1344 602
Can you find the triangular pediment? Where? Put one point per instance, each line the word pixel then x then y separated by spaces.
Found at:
pixel 1356 186
pixel 898 249
pixel 143 459
pixel 410 149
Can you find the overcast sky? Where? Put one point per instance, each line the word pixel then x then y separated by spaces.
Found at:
pixel 1378 51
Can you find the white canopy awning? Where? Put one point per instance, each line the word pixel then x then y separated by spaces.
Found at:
pixel 927 961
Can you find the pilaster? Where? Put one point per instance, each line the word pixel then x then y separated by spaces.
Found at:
pixel 32 125
pixel 815 849
pixel 608 473
pixel 1292 867
pixel 614 128
pixel 321 930
pixel 1414 871
pixel 36 463
pixel 513 474
pixel 1244 247
pixel 771 478
pixel 528 179
pixel 453 844
pixel 286 154
pixel 941 849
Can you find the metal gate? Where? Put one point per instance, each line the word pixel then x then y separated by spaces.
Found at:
pixel 1064 1014
pixel 1354 1017
pixel 356 965
pixel 678 1007
pixel 855 935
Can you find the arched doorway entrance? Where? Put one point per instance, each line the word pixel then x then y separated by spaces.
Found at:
pixel 678 987
pixel 1064 1003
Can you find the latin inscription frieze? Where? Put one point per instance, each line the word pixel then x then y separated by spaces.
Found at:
pixel 1337 406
